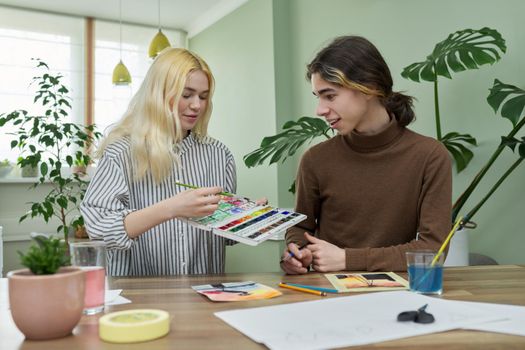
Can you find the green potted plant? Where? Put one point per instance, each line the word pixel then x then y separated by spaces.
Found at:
pixel 47 298
pixel 51 142
pixel 462 50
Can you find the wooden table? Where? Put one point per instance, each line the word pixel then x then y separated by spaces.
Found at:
pixel 193 325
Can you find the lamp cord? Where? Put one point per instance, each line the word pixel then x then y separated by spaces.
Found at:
pixel 159 13
pixel 120 21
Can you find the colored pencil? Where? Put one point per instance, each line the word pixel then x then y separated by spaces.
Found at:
pixel 195 187
pixel 320 289
pixel 304 290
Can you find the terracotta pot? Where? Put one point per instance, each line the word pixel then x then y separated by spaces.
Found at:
pixel 46 306
pixel 80 232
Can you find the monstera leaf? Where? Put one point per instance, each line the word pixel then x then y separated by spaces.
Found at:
pixel 454 142
pixel 462 50
pixel 510 98
pixel 513 143
pixel 286 143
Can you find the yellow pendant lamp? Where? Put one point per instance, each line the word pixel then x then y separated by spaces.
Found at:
pixel 121 74
pixel 159 42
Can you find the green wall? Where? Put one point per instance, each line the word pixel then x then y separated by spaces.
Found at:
pixel 240 51
pixel 406 32
pixel 258 54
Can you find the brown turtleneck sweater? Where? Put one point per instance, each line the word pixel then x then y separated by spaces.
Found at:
pixel 372 194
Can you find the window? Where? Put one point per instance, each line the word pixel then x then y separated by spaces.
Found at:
pixel 111 101
pixel 59 41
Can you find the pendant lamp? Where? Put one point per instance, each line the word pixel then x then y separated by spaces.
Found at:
pixel 159 42
pixel 121 74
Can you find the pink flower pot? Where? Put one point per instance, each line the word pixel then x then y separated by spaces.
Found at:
pixel 46 306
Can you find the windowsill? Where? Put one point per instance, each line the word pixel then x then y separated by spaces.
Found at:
pixel 19 180
pixel 15 178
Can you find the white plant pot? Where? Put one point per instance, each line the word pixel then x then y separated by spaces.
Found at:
pixel 458 253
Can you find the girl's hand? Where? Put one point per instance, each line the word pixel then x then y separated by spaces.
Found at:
pixel 194 203
pixel 262 201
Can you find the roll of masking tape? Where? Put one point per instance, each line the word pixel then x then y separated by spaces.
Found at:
pixel 131 326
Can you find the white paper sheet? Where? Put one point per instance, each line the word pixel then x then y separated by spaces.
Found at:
pixel 515 324
pixel 349 321
pixel 113 297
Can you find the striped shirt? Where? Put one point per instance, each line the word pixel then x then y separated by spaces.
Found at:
pixel 172 247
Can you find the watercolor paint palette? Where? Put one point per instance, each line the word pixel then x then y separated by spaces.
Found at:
pixel 242 220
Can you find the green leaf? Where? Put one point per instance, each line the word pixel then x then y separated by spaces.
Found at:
pixel 62 202
pixel 509 142
pixel 461 50
pixel 456 145
pixel 286 143
pixel 512 108
pixel 292 188
pixel 411 72
pixel 43 169
pixel 441 68
pixel 509 98
pixel 49 208
pixel 46 257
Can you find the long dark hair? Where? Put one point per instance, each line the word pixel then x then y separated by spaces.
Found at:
pixel 354 62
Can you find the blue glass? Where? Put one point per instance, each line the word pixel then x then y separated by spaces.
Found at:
pixel 425 279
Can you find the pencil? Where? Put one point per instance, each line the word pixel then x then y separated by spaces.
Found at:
pixel 305 290
pixel 320 289
pixel 444 245
pixel 195 187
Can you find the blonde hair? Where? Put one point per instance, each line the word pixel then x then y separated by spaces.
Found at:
pixel 337 77
pixel 150 123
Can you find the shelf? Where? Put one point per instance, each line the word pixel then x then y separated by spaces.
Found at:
pixel 18 180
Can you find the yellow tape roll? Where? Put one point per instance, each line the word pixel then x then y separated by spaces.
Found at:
pixel 131 326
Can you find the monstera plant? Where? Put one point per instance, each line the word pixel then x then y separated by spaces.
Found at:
pixel 460 51
pixel 283 145
pixel 510 101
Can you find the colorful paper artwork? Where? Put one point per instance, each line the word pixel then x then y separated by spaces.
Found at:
pixel 366 282
pixel 236 291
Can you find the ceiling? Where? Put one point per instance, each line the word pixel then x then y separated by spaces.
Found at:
pixel 192 16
